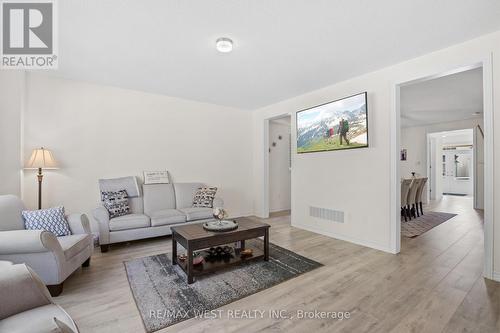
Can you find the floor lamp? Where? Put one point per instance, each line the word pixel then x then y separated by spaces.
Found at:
pixel 41 159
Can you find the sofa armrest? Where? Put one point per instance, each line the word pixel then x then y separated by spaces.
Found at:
pixel 28 241
pixel 79 223
pixel 218 202
pixel 102 217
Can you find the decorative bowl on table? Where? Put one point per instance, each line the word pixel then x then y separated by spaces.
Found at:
pixel 220 224
pixel 219 213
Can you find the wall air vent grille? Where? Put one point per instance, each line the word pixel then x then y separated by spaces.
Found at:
pixel 327 214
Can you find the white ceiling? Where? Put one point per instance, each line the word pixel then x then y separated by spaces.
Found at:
pixel 283 48
pixel 449 98
pixel 458 137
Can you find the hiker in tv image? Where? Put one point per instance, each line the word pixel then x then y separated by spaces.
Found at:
pixel 329 135
pixel 343 129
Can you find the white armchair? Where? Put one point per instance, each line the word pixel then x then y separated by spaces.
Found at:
pixel 52 258
pixel 26 304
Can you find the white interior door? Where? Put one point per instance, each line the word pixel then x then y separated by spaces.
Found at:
pixel 457 171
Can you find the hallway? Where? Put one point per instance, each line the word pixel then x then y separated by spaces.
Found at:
pixel 457 249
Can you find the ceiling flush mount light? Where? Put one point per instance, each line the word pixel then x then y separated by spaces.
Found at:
pixel 224 45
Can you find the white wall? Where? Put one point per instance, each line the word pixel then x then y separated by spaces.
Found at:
pixel 11 110
pixel 364 175
pixel 98 131
pixel 279 169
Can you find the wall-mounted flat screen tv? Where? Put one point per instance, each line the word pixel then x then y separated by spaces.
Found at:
pixel 341 124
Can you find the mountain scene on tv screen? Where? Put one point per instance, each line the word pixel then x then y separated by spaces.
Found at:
pixel 326 127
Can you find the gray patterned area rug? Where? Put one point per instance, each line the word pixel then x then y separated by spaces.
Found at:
pixel 424 223
pixel 163 296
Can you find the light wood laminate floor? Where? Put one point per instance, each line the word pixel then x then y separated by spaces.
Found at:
pixel 433 285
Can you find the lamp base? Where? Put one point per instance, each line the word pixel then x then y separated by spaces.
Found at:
pixel 40 178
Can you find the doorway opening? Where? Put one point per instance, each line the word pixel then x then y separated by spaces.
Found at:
pixel 455 165
pixel 442 160
pixel 280 164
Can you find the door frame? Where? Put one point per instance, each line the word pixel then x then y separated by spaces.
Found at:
pixel 476 168
pixel 395 231
pixel 265 194
pixel 431 170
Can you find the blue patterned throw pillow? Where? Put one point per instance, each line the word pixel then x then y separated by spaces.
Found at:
pixel 51 219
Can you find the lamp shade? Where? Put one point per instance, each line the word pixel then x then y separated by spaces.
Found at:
pixel 41 158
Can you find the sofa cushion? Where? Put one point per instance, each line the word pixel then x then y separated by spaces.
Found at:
pixel 50 219
pixel 128 184
pixel 4 264
pixel 74 244
pixel 184 194
pixel 197 213
pixel 116 202
pixel 158 197
pixel 41 317
pixel 130 221
pixel 167 216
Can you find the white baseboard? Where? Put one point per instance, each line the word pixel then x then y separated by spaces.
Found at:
pixel 278 210
pixel 234 216
pixel 496 276
pixel 361 242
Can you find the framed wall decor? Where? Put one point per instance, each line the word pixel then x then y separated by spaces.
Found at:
pixel 404 154
pixel 156 177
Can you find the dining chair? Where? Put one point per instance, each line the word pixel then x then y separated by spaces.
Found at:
pixel 405 189
pixel 412 197
pixel 420 192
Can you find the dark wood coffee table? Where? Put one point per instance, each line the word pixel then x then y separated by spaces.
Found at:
pixel 193 237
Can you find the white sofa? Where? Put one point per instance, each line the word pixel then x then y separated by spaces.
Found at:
pixel 52 258
pixel 26 304
pixel 154 212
